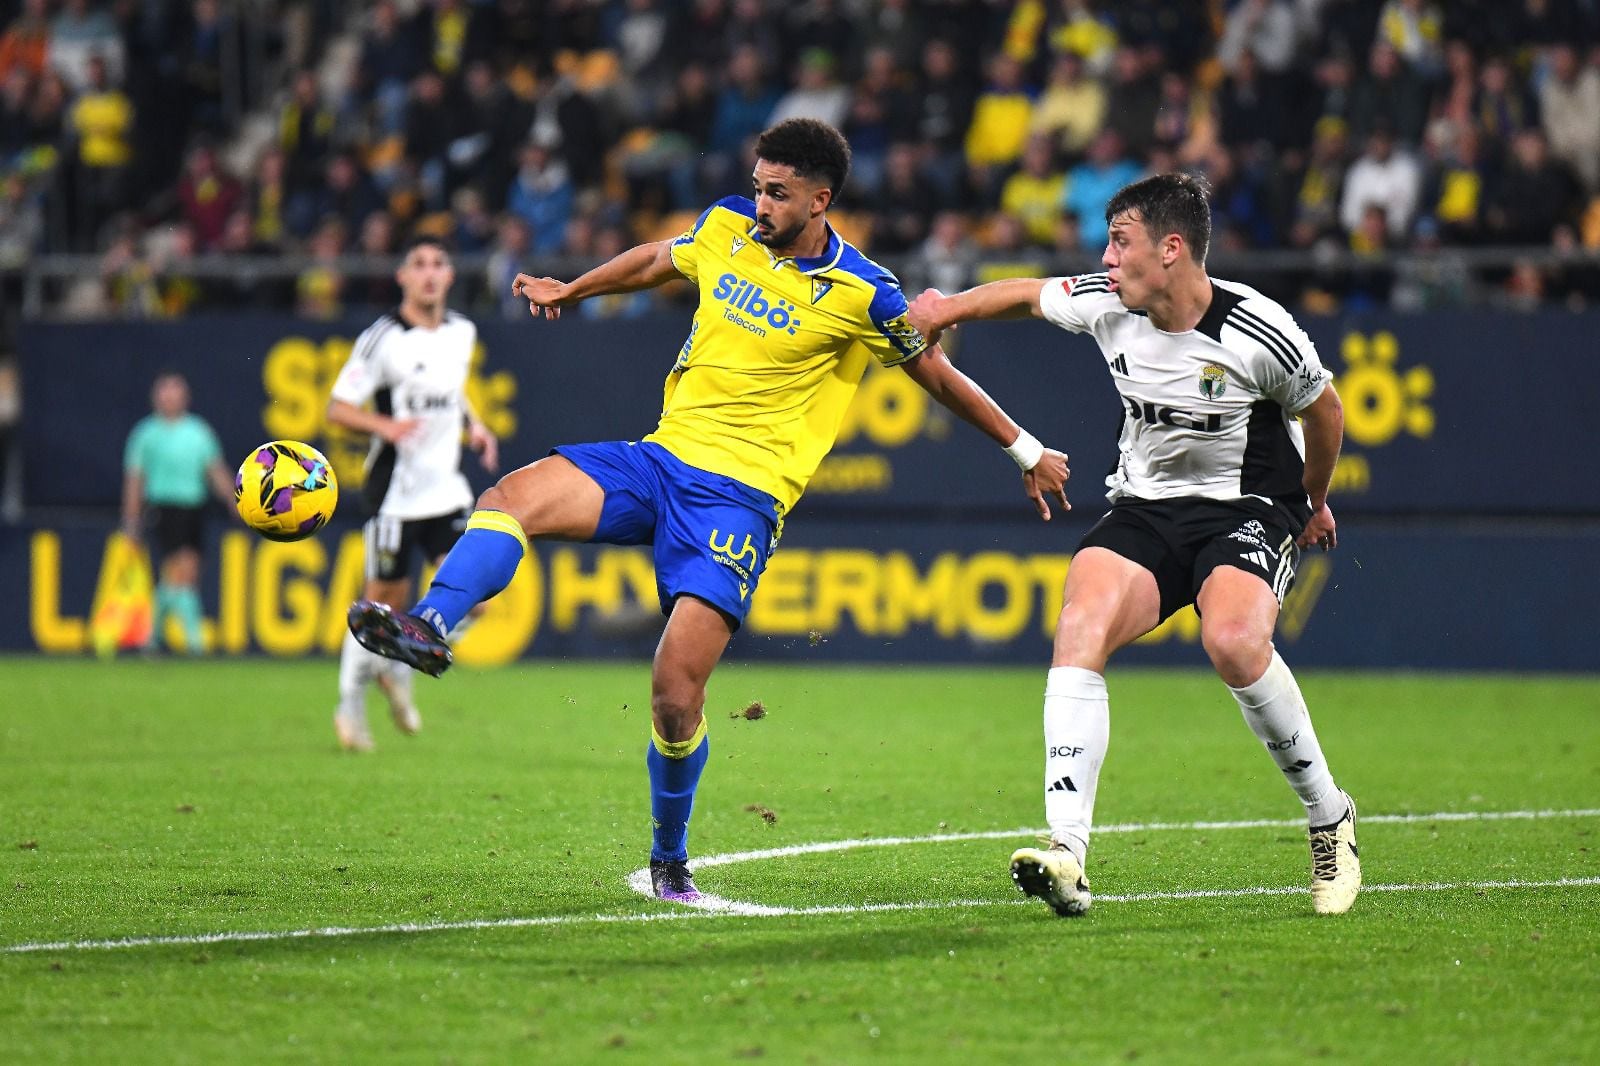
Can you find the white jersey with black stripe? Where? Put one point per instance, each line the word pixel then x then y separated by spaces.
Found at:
pixel 1206 413
pixel 409 372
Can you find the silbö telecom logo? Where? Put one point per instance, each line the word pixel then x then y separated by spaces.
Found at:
pixel 751 300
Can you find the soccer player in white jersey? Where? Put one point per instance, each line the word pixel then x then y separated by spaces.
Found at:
pixel 1230 430
pixel 411 366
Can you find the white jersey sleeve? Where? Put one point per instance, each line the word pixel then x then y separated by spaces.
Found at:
pixel 1287 368
pixel 366 371
pixel 1075 304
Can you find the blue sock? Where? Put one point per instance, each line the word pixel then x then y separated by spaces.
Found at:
pixel 674 772
pixel 482 563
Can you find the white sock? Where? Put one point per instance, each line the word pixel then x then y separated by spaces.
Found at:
pixel 1276 713
pixel 1077 729
pixel 355 670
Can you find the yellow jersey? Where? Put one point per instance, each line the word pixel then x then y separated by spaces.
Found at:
pixel 776 350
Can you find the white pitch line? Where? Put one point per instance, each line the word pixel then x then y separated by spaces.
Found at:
pixel 714 906
pixel 687 914
pixel 1126 827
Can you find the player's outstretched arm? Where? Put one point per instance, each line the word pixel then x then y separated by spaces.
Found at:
pixel 642 267
pixel 1323 423
pixel 933 312
pixel 1044 470
pixel 348 415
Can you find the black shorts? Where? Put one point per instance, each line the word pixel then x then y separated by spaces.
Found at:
pixel 393 543
pixel 1182 541
pixel 178 528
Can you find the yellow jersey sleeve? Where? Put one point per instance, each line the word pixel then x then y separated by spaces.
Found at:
pixel 776 350
pixel 686 248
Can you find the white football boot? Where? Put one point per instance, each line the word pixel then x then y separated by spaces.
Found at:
pixel 1335 864
pixel 352 732
pixel 1054 875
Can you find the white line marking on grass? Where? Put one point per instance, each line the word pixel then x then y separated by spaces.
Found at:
pixel 635 880
pixel 754 911
pixel 716 906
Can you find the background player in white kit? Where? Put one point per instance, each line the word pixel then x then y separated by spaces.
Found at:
pixel 411 365
pixel 1230 431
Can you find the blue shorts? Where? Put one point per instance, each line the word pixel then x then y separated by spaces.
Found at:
pixel 712 535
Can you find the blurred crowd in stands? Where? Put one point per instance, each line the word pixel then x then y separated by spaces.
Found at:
pixel 987 135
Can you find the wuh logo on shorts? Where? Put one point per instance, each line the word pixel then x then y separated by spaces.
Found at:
pixel 734 560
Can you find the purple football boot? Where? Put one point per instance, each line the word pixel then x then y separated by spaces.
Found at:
pixel 673 882
pixel 400 637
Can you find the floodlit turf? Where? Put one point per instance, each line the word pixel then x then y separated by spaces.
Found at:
pixel 176 799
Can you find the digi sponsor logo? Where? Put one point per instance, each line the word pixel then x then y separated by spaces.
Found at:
pixel 1152 415
pixel 748 306
pixel 423 404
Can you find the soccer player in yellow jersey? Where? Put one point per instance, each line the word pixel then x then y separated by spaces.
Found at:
pixel 789 315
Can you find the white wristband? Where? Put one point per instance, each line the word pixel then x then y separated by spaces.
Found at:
pixel 1026 451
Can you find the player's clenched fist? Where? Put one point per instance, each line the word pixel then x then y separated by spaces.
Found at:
pixel 544 295
pixel 923 314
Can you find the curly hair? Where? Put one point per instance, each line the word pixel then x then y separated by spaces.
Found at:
pixel 814 149
pixel 1170 203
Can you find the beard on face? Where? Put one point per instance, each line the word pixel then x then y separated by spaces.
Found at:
pixel 780 238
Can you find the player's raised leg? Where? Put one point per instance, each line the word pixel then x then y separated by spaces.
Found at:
pixel 549 498
pixel 694 640
pixel 1108 601
pixel 1238 611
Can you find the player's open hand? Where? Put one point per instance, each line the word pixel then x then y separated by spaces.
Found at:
pixel 1047 480
pixel 483 441
pixel 544 295
pixel 923 314
pixel 1320 532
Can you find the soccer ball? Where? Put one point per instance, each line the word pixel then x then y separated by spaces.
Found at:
pixel 285 490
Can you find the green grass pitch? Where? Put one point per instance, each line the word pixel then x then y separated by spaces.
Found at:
pixel 176 800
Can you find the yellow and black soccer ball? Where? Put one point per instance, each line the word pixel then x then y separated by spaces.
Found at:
pixel 285 490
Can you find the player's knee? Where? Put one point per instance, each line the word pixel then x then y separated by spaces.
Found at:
pixel 676 710
pixel 1239 650
pixel 495 498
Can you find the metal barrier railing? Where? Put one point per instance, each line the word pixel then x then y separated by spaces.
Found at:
pixel 39 285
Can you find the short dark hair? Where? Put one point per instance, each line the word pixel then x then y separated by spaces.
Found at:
pixel 424 240
pixel 813 148
pixel 1170 203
